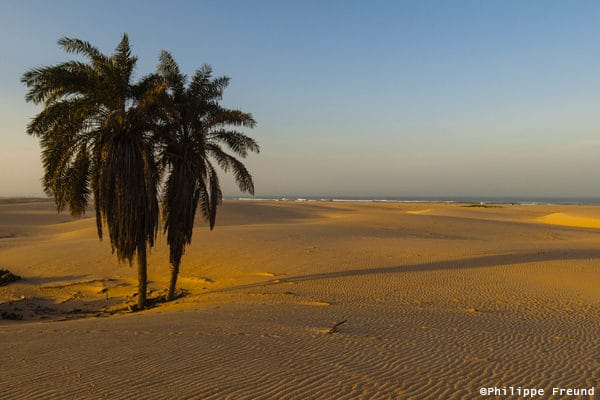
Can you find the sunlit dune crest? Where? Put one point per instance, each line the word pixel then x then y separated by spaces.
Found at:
pixel 425 211
pixel 561 218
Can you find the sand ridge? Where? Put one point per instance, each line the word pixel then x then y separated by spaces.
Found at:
pixel 436 304
pixel 560 218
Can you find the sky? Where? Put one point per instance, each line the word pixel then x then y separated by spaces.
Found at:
pixel 354 98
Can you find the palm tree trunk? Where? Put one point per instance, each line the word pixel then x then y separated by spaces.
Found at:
pixel 142 276
pixel 173 281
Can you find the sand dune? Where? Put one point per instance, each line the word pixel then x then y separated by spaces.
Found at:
pixel 560 218
pixel 439 300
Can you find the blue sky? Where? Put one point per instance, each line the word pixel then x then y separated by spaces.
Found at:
pixel 378 98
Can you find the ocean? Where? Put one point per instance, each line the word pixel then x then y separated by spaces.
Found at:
pixel 434 199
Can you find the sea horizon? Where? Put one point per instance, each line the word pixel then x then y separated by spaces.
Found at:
pixel 515 200
pixel 500 200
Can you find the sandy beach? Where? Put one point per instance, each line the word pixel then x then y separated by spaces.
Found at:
pixel 433 301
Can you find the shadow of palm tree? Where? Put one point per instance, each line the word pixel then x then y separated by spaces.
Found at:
pixel 68 279
pixel 465 263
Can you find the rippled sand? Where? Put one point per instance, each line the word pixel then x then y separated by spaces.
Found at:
pixel 438 301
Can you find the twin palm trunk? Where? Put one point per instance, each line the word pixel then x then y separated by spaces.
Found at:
pixel 173 281
pixel 142 277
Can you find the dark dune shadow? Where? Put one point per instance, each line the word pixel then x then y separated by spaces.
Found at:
pixel 52 279
pixel 250 212
pixel 466 263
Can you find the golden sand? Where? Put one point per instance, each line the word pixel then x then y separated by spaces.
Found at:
pixel 438 301
pixel 561 218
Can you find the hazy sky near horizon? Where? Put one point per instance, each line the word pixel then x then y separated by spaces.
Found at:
pixel 354 98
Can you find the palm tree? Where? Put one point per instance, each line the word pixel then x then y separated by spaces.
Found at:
pixel 193 136
pixel 95 131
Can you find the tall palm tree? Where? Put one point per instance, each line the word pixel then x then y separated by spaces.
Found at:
pixel 95 133
pixel 193 136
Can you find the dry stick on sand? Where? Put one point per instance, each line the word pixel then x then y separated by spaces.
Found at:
pixel 334 329
pixel 105 291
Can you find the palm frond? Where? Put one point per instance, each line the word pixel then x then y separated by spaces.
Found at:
pixel 47 84
pixel 228 162
pixel 73 115
pixel 202 87
pixel 168 69
pixel 216 196
pixel 220 117
pixel 78 46
pixel 127 194
pixel 238 142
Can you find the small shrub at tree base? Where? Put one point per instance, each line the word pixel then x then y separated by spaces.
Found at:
pixel 7 277
pixel 11 316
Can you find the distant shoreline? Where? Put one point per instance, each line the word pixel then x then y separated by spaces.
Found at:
pixel 23 199
pixel 579 201
pixel 450 200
